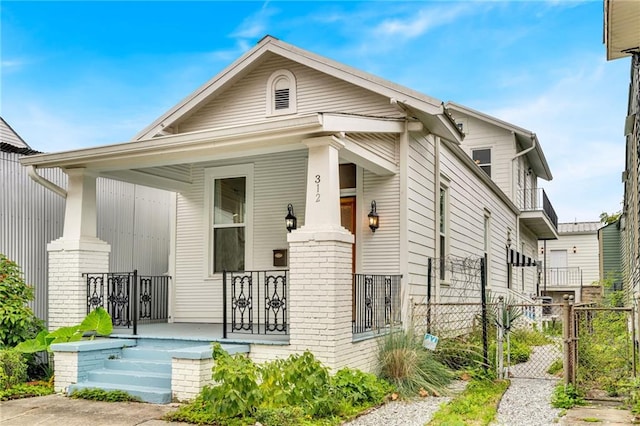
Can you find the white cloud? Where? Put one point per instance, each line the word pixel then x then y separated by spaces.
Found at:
pixel 255 25
pixel 417 24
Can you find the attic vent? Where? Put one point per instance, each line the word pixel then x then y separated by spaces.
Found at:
pixel 281 93
pixel 282 99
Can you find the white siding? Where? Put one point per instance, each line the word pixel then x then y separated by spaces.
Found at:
pixel 468 199
pixel 278 180
pixel 245 101
pixel 586 255
pixel 478 135
pixel 420 214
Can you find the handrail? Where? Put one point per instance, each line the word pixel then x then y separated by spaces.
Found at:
pixel 536 199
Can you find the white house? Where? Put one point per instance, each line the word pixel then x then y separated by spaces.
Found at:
pixel 284 132
pixel 571 263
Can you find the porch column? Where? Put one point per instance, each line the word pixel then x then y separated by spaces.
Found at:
pixel 76 252
pixel 320 263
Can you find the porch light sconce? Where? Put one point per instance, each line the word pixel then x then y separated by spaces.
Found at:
pixel 575 250
pixel 290 221
pixel 374 220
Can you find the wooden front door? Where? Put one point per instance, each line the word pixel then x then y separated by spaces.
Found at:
pixel 348 219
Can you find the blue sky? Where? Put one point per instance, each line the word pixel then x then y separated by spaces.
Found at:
pixel 79 74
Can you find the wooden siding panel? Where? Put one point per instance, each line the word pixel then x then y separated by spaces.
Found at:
pixel 586 256
pixel 245 101
pixel 279 179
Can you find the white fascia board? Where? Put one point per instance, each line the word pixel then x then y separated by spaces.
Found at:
pixel 147 179
pixel 361 124
pixel 370 161
pixel 181 148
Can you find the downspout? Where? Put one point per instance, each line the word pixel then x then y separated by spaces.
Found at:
pixel 46 183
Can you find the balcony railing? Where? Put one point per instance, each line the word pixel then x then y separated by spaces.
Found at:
pixel 128 297
pixel 563 277
pixel 535 199
pixel 255 302
pixel 376 302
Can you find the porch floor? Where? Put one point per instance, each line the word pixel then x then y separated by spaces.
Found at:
pixel 206 332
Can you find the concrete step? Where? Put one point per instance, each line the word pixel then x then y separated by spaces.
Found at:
pixel 147 353
pixel 136 378
pixel 132 364
pixel 149 394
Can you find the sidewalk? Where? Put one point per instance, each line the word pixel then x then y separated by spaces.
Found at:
pixel 59 410
pixel 597 414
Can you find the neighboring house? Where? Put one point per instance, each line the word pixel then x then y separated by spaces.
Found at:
pixel 132 218
pixel 374 174
pixel 570 264
pixel 513 158
pixel 611 259
pixel 622 40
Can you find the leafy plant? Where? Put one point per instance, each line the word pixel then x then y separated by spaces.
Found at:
pixel 97 322
pixel 555 367
pixel 13 368
pixel 403 362
pixel 17 320
pixel 27 390
pixel 104 395
pixel 566 397
pixel 293 391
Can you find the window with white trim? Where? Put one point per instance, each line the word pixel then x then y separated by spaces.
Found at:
pixel 482 157
pixel 281 93
pixel 444 228
pixel 229 196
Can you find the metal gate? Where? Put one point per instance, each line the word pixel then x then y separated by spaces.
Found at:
pixel 530 336
pixel 603 353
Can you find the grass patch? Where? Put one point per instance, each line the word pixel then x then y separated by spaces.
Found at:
pixel 103 395
pixel 566 397
pixel 477 405
pixel 591 420
pixel 26 390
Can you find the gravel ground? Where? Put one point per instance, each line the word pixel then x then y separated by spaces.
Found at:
pixel 406 413
pixel 525 403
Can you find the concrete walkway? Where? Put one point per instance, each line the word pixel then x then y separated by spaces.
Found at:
pixel 59 410
pixel 598 415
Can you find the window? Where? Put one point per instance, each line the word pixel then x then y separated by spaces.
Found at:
pixel 229 209
pixel 281 93
pixel 444 228
pixel 482 157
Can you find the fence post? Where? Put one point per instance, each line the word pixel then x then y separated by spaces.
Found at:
pixel 429 271
pixel 224 304
pixel 135 302
pixel 566 338
pixel 485 320
pixel 500 339
pixel 574 339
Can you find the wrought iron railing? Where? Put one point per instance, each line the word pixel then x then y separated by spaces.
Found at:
pixel 128 297
pixel 535 199
pixel 556 277
pixel 376 302
pixel 255 302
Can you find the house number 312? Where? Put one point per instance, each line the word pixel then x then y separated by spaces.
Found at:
pixel 317 181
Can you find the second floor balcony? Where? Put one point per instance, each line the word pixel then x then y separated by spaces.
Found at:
pixel 561 277
pixel 538 214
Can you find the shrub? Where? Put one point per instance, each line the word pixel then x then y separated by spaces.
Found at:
pixel 359 388
pixel 27 390
pixel 283 416
pixel 409 367
pixel 566 397
pixel 104 395
pixel 13 368
pixel 17 320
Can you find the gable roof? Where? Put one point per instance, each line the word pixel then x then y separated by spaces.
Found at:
pixel 525 137
pixel 10 141
pixel 429 110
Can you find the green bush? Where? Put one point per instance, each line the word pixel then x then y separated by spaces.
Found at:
pixel 404 363
pixel 17 321
pixel 520 352
pixel 27 390
pixel 530 337
pixel 281 392
pixel 556 367
pixel 13 368
pixel 566 397
pixel 104 395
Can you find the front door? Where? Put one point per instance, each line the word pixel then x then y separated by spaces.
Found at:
pixel 348 219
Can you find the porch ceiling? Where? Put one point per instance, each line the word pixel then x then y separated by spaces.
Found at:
pixel 538 222
pixel 153 162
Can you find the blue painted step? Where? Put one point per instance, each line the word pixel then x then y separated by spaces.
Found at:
pixel 133 364
pixel 146 393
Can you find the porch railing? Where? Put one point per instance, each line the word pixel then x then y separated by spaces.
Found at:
pixel 255 302
pixel 376 302
pixel 128 297
pixel 569 276
pixel 535 199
